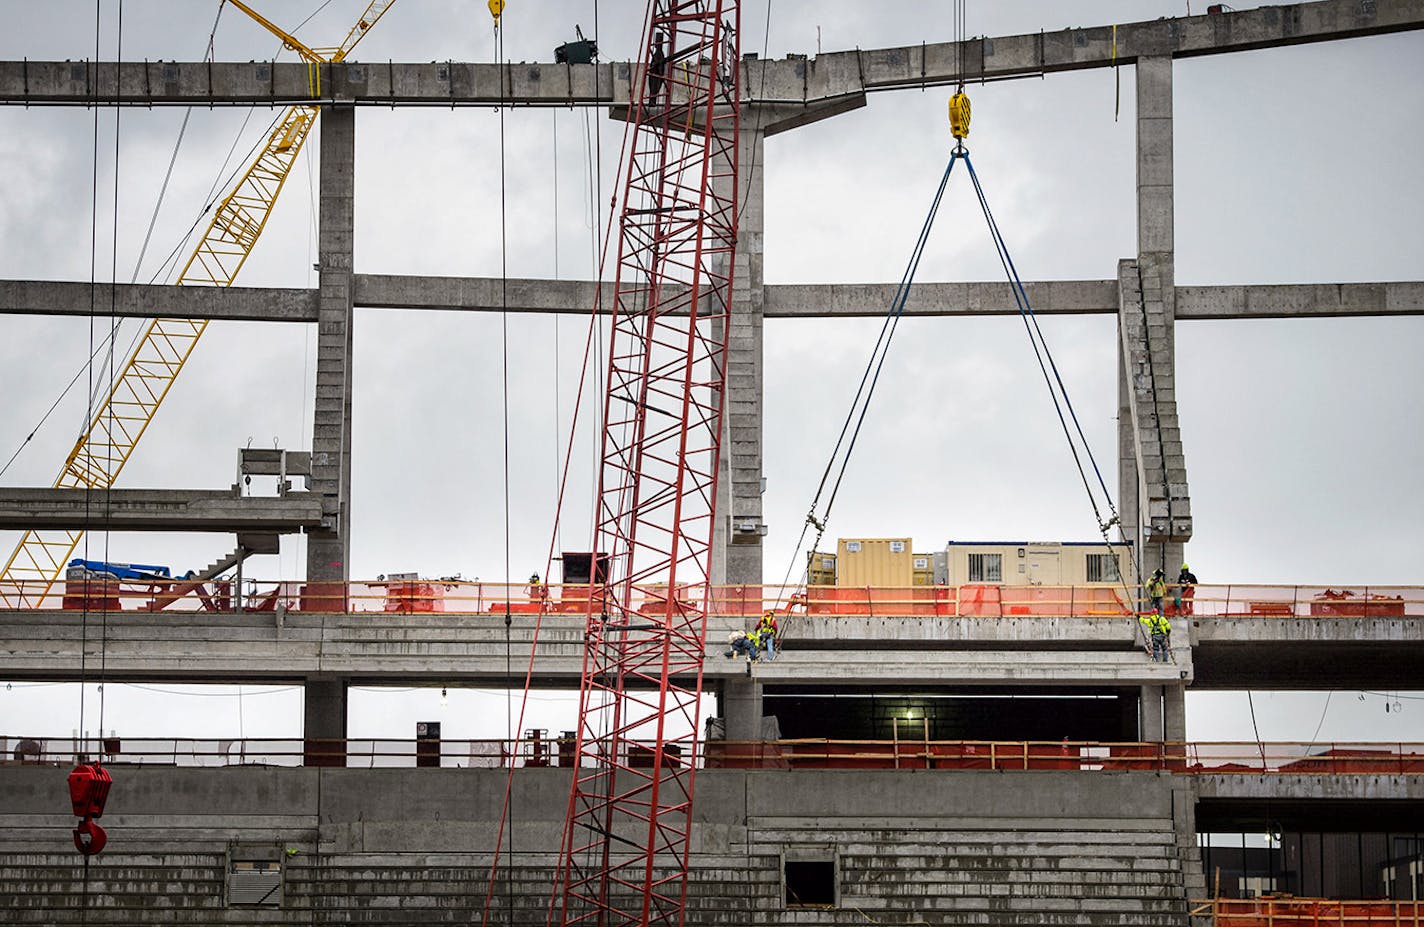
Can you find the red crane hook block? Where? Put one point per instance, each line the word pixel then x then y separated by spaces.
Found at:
pixel 89 786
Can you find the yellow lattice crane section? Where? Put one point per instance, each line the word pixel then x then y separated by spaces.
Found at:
pixel 125 413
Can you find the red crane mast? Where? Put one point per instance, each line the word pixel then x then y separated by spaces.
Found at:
pixel 625 848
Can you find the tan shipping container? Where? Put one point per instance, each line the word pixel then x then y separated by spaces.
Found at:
pixel 924 569
pixel 884 562
pixel 820 569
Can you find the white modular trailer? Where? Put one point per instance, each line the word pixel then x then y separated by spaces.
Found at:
pixel 1033 563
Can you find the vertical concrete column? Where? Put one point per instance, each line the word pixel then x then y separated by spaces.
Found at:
pixel 1174 713
pixel 324 720
pixel 1150 726
pixel 1154 157
pixel 1152 481
pixel 741 474
pixel 328 548
pixel 741 708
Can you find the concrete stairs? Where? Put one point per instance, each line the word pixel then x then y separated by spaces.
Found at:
pixel 1146 329
pixel 168 888
pixel 1001 873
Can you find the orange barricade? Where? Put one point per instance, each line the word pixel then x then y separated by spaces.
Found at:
pixel 1054 756
pixel 410 597
pixel 1314 912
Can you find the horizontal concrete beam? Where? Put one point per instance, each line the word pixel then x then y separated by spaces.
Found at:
pixel 820 300
pixel 1304 300
pixel 827 77
pixel 149 301
pixel 783 301
pixel 376 647
pixel 156 510
pixel 478 294
pixel 1318 653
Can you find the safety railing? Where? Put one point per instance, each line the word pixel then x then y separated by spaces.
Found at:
pixel 970 600
pixel 539 749
pixel 1314 912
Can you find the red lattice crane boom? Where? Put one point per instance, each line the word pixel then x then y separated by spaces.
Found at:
pixel 625 850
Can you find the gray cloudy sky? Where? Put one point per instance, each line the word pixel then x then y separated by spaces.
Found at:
pixel 1303 438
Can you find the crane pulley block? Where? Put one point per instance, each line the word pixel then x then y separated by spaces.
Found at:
pixel 89 786
pixel 959 115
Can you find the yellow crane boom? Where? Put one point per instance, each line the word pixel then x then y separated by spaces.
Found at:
pixel 120 420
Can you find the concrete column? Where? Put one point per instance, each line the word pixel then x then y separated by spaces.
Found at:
pixel 1152 481
pixel 741 474
pixel 1150 727
pixel 324 721
pixel 741 708
pixel 1154 156
pixel 738 549
pixel 328 549
pixel 1174 713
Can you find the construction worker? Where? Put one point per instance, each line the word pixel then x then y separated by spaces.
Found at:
pixel 657 72
pixel 1157 589
pixel 1160 631
pixel 537 590
pixel 742 644
pixel 766 634
pixel 1186 590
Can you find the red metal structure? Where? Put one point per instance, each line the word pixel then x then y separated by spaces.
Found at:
pixel 625 847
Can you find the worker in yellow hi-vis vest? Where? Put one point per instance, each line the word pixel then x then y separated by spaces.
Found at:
pixel 1159 630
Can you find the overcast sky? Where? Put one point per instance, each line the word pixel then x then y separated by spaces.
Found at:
pixel 1303 438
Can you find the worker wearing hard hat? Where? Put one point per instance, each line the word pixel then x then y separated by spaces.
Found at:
pixel 1159 630
pixel 766 634
pixel 1156 589
pixel 1186 590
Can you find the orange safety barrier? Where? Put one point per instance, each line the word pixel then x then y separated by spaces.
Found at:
pixel 971 600
pixel 539 749
pixel 1315 912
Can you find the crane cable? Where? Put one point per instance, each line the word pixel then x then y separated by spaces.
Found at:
pixel 871 376
pixel 496 8
pixel 855 417
pixel 108 343
pixel 1058 391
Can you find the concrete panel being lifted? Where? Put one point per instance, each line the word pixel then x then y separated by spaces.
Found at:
pixel 220 511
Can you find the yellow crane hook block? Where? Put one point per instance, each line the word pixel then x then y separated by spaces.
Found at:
pixel 959 115
pixel 496 7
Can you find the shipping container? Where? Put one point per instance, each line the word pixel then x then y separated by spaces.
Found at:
pixel 924 570
pixel 883 562
pixel 820 569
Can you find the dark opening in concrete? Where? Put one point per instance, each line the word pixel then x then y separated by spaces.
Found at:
pixel 810 882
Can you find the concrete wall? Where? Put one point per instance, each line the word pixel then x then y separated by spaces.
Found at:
pixel 413 846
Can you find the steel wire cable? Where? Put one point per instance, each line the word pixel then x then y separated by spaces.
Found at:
pixel 861 402
pixel 1057 388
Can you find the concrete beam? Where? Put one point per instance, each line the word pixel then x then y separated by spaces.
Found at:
pixel 156 510
pixel 782 300
pixel 822 300
pixel 1303 300
pixel 1308 653
pixel 375 647
pixel 478 294
pixel 824 79
pixel 153 301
